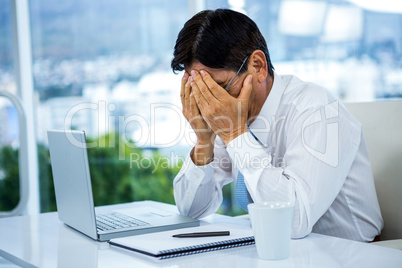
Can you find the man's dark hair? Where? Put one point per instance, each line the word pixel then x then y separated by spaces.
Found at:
pixel 220 38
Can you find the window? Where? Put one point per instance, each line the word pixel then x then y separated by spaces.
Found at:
pixel 104 67
pixel 9 129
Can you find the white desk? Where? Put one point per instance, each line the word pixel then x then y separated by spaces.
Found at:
pixel 43 241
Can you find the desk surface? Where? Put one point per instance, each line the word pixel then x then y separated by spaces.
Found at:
pixel 43 241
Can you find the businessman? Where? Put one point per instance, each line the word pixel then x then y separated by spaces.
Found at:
pixel 276 137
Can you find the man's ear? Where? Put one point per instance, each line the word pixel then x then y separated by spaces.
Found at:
pixel 258 65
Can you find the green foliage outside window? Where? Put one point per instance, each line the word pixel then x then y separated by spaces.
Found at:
pixel 116 178
pixel 9 178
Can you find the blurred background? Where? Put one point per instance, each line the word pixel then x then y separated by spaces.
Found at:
pixel 104 67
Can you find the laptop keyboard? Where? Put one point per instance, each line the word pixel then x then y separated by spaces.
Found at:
pixel 116 220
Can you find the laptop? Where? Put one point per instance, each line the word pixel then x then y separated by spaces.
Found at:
pixel 74 199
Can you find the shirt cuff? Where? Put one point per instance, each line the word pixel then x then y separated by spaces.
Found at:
pixel 197 174
pixel 247 153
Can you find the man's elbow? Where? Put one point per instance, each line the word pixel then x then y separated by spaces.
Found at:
pixel 301 228
pixel 300 233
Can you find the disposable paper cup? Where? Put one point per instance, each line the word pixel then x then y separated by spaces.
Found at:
pixel 272 226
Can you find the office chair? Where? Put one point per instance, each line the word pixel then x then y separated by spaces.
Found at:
pixel 382 127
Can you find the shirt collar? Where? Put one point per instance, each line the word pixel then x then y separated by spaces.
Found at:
pixel 263 124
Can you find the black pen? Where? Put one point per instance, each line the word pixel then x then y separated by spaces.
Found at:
pixel 203 234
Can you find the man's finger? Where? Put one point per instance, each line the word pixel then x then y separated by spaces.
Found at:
pixel 246 89
pixel 187 91
pixel 204 89
pixel 218 91
pixel 193 105
pixel 202 102
pixel 183 84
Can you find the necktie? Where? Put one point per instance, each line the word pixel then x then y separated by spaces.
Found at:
pixel 243 198
pixel 242 195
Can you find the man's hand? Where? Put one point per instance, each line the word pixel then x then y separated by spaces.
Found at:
pixel 225 115
pixel 203 151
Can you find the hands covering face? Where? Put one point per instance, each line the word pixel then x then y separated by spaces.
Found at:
pixel 210 109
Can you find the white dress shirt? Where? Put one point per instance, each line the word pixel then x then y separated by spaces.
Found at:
pixel 311 151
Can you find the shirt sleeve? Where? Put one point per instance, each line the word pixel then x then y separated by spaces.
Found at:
pixel 309 177
pixel 198 189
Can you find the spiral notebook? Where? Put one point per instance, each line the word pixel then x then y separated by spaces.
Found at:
pixel 163 245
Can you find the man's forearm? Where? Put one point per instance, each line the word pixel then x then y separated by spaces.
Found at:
pixel 203 154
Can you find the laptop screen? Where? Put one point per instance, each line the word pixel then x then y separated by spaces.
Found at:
pixel 72 182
